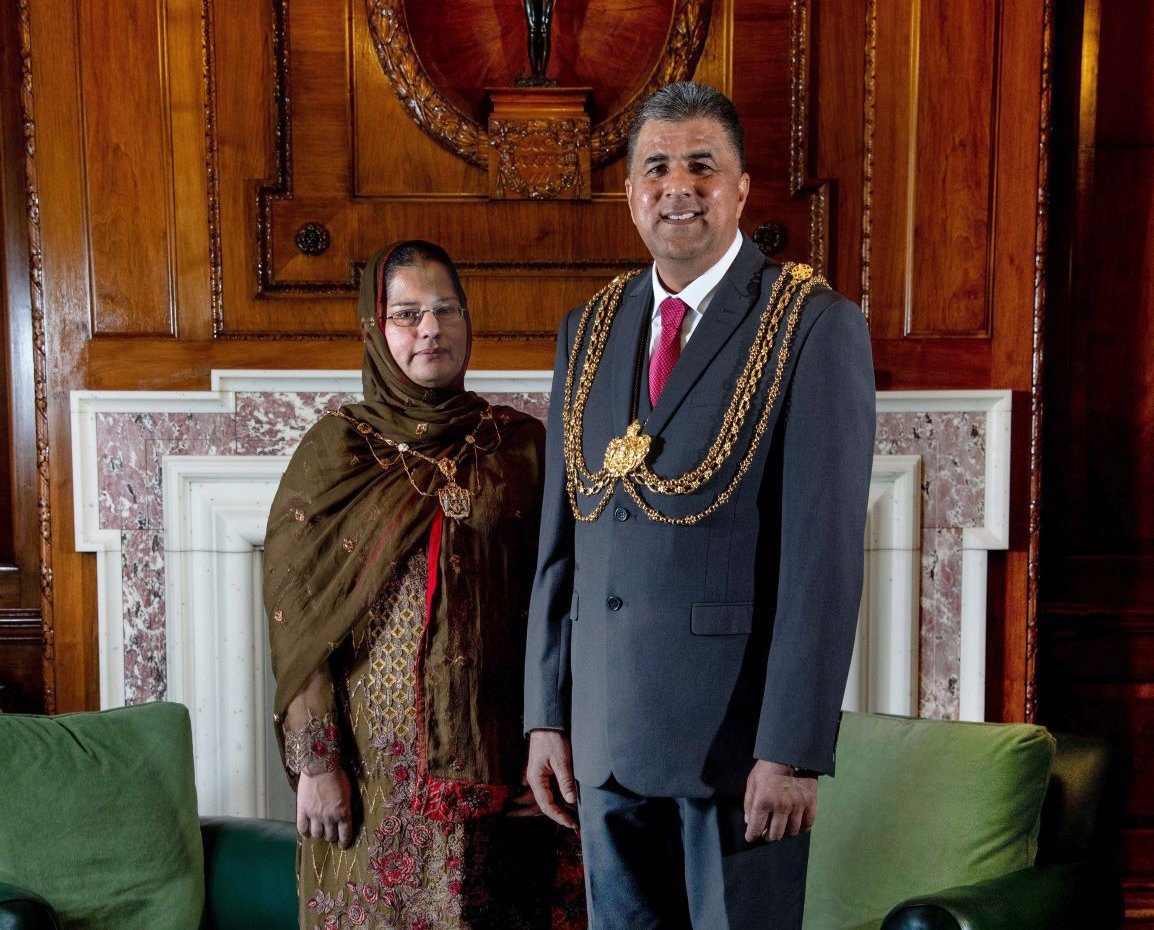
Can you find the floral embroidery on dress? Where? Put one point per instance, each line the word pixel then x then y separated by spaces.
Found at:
pixel 425 858
pixel 456 801
pixel 404 871
pixel 314 748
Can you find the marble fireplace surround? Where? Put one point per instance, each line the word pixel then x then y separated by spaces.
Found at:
pixel 172 491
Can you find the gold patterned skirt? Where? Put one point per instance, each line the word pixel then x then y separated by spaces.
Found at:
pixel 405 871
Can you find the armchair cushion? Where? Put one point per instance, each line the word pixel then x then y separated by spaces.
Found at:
pixel 250 873
pixel 921 805
pixel 98 816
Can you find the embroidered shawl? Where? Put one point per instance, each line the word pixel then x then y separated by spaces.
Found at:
pixel 341 527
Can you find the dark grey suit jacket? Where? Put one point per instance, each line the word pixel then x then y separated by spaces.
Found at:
pixel 674 656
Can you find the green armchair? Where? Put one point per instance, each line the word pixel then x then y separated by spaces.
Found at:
pixel 1072 883
pixel 929 825
pixel 99 830
pixel 942 825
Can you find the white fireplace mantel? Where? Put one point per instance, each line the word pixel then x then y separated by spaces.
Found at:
pixel 213 509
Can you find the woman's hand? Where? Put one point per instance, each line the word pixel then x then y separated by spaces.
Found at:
pixel 324 807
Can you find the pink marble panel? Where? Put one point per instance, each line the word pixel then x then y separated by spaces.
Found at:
pixel 145 640
pixel 191 430
pixel 953 451
pixel 941 611
pixel 126 494
pixel 273 423
pixel 536 404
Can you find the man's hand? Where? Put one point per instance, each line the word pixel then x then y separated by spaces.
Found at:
pixel 324 807
pixel 777 802
pixel 550 772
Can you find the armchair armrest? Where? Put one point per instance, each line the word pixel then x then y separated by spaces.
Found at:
pixel 249 874
pixel 20 909
pixel 1054 897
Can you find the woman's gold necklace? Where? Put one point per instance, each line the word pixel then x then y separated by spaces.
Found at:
pixel 625 456
pixel 455 501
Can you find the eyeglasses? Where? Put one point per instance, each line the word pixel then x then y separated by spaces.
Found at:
pixel 446 316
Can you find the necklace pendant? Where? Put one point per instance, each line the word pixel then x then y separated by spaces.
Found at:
pixel 455 500
pixel 627 453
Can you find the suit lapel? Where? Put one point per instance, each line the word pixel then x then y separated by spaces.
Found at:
pixel 623 350
pixel 730 306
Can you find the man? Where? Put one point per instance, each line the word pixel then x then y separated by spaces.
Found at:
pixel 701 553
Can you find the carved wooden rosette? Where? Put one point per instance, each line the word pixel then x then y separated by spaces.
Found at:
pixel 539 144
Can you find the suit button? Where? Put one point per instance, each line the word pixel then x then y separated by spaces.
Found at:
pixel 614 603
pixel 620 514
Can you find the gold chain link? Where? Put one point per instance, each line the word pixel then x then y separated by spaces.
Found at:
pixel 446 465
pixel 793 286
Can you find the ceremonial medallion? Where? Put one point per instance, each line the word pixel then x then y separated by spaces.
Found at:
pixel 455 500
pixel 626 453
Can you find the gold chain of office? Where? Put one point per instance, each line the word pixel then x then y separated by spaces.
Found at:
pixel 625 456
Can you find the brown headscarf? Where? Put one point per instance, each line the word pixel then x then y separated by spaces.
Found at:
pixel 342 526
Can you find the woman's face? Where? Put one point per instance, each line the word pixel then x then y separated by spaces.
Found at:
pixel 432 353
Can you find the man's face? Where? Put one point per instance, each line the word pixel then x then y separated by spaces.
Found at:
pixel 686 191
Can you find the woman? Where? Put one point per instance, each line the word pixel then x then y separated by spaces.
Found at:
pixel 399 554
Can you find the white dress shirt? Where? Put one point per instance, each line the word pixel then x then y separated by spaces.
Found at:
pixel 696 296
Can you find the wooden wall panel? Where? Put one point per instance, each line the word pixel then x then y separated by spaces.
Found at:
pixel 844 43
pixel 933 167
pixel 889 161
pixel 385 166
pixel 187 82
pixel 317 50
pixel 345 154
pixel 1101 501
pixel 937 188
pixel 954 162
pixel 21 680
pixel 929 119
pixel 762 46
pixel 17 432
pixel 243 147
pixel 61 298
pixel 1117 444
pixel 127 157
pixel 1120 119
pixel 22 642
pixel 1018 305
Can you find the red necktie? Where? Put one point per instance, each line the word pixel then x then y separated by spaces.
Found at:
pixel 668 349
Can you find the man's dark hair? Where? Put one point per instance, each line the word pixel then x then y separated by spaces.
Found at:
pixel 675 103
pixel 419 252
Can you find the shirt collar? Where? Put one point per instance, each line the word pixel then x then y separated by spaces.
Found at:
pixel 695 293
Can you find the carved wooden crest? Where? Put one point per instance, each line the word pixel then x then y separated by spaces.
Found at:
pixel 430 92
pixel 539 144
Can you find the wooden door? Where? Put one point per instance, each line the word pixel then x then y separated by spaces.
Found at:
pixel 1096 622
